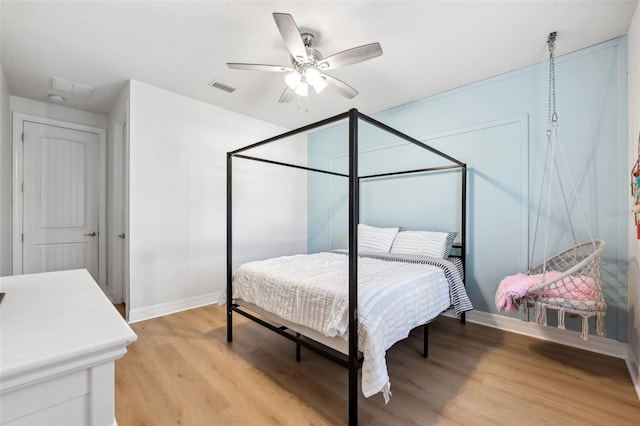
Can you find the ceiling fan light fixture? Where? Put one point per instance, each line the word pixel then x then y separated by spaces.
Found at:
pixel 302 89
pixel 312 76
pixel 320 85
pixel 293 79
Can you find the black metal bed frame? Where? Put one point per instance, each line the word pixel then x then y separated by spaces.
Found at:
pixel 353 360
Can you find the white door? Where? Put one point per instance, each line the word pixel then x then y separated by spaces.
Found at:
pixel 60 199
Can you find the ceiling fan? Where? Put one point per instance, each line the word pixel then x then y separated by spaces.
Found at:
pixel 308 66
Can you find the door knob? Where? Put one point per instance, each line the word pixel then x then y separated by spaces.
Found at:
pixel 121 235
pixel 91 234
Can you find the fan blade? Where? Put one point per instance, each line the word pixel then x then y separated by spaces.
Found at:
pixel 351 56
pixel 291 36
pixel 341 87
pixel 259 67
pixel 287 95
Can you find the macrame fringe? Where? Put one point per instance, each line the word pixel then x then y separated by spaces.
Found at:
pixel 585 327
pixel 541 318
pixel 600 323
pixel 561 314
pixel 541 314
pixel 524 310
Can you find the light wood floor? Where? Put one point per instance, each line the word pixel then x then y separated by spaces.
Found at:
pixel 181 371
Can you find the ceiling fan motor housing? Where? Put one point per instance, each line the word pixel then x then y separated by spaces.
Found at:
pixel 307 39
pixel 313 55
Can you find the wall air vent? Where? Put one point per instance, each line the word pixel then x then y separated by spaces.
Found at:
pixel 222 86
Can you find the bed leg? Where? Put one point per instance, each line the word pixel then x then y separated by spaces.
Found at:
pixel 229 327
pixel 463 318
pixel 425 341
pixel 353 396
pixel 298 348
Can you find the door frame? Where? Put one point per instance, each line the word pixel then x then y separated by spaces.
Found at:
pixel 17 197
pixel 120 205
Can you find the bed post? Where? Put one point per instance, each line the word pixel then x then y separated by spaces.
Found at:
pixel 463 229
pixel 425 341
pixel 354 201
pixel 229 253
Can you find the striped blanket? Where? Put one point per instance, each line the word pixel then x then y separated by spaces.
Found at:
pixel 393 298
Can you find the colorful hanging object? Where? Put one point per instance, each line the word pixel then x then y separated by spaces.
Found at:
pixel 635 190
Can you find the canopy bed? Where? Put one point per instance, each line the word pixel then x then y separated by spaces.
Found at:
pixel 397 279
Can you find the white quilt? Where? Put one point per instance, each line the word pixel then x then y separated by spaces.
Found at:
pixel 312 290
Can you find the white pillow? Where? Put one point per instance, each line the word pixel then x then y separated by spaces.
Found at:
pixel 425 243
pixel 371 238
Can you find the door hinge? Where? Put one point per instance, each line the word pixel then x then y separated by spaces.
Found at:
pixel 22 137
pixel 22 187
pixel 22 237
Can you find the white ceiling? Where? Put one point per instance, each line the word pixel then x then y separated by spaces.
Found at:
pixel 181 46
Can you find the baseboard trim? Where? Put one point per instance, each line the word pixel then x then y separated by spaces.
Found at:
pixel 154 311
pixel 597 344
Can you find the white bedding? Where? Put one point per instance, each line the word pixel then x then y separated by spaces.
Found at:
pixel 312 290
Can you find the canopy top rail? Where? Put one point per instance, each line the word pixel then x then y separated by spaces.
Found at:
pixel 334 119
pixel 379 175
pixel 299 130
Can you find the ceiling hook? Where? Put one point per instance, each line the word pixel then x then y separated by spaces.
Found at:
pixel 551 41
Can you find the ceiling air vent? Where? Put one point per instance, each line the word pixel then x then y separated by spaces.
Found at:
pixel 222 86
pixel 66 86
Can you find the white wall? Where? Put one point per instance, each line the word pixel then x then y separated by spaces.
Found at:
pixel 634 244
pixel 5 174
pixel 177 191
pixel 58 112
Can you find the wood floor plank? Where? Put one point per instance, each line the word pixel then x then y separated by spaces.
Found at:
pixel 182 371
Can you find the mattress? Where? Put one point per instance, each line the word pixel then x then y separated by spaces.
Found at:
pixel 311 290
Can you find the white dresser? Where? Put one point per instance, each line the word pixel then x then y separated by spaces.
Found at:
pixel 59 339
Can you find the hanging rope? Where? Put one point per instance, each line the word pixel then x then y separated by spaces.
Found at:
pixel 553 146
pixel 552 121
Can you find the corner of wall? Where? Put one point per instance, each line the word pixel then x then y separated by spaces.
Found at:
pixel 120 103
pixel 633 276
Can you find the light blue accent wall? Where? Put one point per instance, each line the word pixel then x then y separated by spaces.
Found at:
pixel 498 128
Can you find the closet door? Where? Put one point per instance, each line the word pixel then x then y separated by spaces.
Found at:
pixel 60 199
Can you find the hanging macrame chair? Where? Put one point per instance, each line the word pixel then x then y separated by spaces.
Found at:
pixel 569 281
